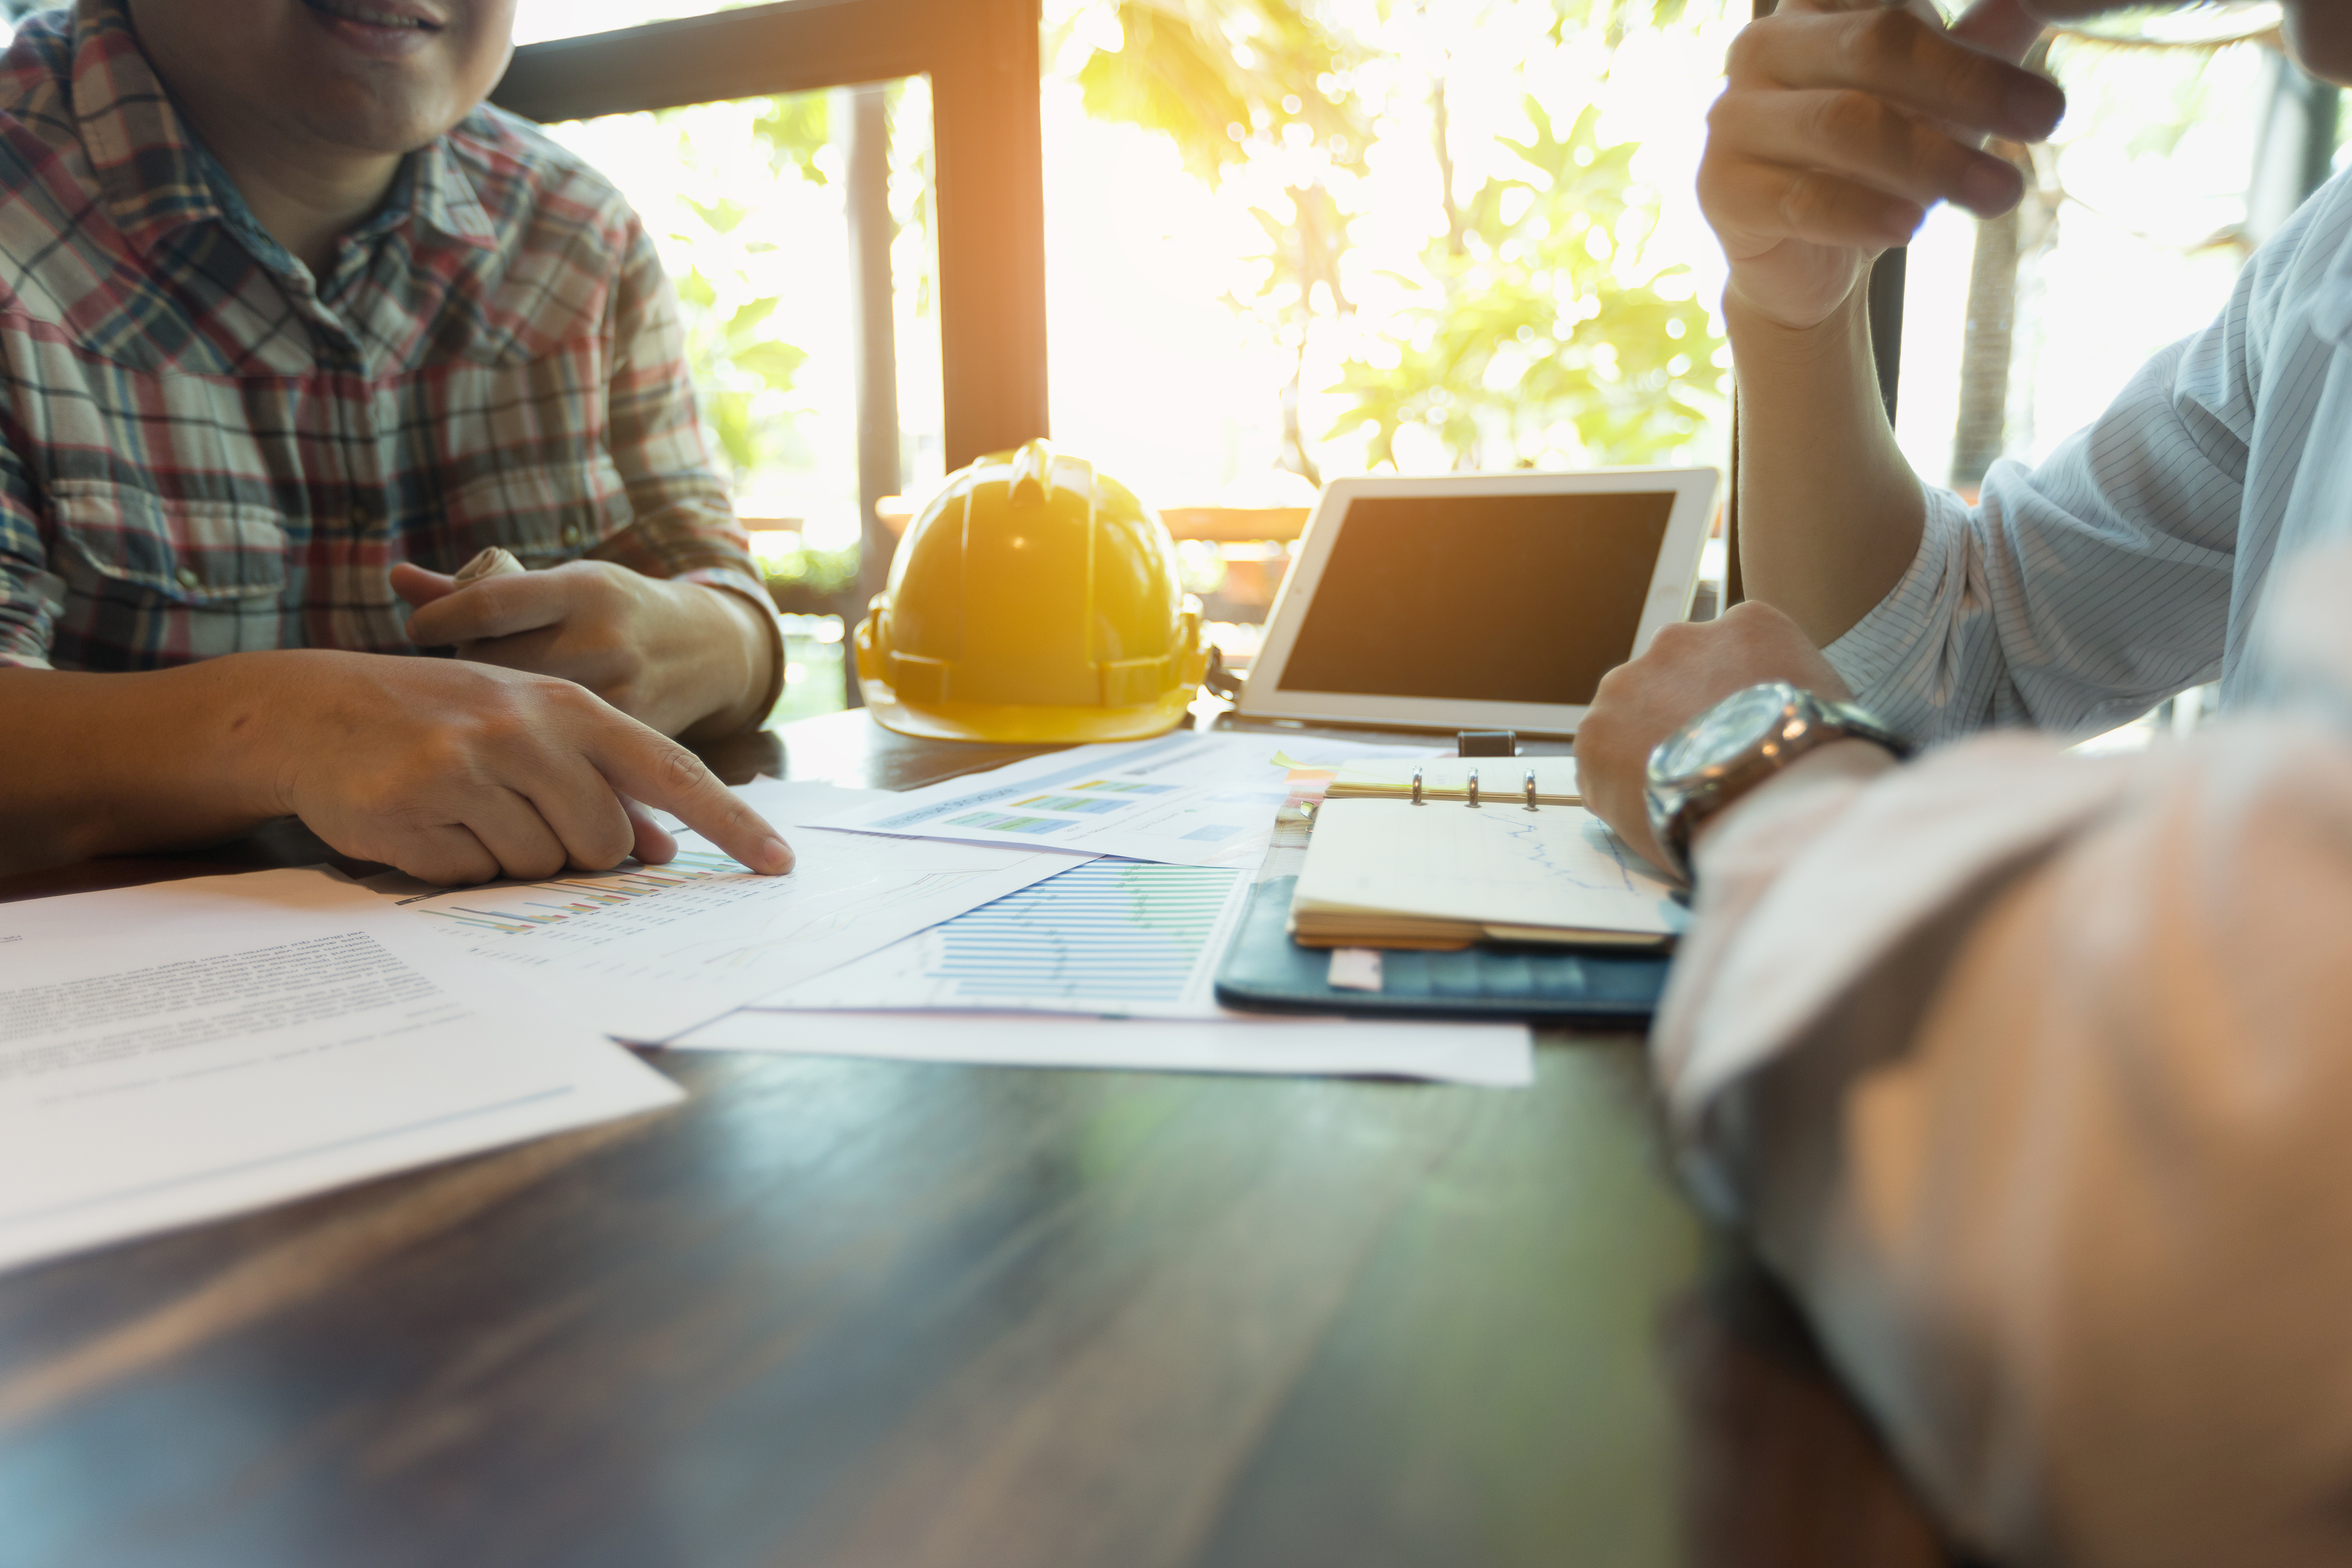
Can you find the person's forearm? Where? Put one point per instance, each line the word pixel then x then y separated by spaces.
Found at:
pixel 1830 512
pixel 2060 1176
pixel 103 765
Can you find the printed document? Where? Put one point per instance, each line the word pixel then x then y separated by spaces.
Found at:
pixel 1186 799
pixel 1497 1055
pixel 649 951
pixel 176 1053
pixel 1113 938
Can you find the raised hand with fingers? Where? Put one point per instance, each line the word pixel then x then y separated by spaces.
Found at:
pixel 1843 122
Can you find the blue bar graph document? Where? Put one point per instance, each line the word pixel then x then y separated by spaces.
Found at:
pixel 1112 938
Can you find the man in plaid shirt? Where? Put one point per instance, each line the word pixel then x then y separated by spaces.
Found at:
pixel 292 325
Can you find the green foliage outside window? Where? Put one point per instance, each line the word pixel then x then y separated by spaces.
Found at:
pixel 1230 82
pixel 808 580
pixel 743 370
pixel 1535 346
pixel 1537 332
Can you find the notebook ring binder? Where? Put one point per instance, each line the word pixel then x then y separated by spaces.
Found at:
pixel 1531 789
pixel 1416 786
pixel 1474 789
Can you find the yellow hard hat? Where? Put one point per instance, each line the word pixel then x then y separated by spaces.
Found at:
pixel 1034 600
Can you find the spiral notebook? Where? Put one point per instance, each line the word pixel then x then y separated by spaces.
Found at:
pixel 1504 781
pixel 1390 873
pixel 1559 979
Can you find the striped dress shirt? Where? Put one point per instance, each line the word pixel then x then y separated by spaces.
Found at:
pixel 2026 1071
pixel 204 449
pixel 2136 561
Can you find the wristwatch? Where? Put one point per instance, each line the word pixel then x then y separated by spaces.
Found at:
pixel 1736 745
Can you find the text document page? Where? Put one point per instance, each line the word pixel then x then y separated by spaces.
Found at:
pixel 191 1050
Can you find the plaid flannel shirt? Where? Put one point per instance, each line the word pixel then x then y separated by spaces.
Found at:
pixel 203 451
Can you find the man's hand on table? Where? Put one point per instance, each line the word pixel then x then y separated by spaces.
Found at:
pixel 683 657
pixel 461 772
pixel 1690 667
pixel 452 772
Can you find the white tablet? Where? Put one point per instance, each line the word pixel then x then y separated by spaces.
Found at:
pixel 1478 601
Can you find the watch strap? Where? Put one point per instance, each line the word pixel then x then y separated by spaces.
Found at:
pixel 1675 822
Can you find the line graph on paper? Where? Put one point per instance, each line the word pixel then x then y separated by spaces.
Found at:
pixel 1496 865
pixel 1109 938
pixel 1504 849
pixel 1521 845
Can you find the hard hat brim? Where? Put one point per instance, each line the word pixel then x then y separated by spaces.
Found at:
pixel 1007 723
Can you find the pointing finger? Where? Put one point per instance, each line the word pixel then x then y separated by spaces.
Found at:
pixel 646 766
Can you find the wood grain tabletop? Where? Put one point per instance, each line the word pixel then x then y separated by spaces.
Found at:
pixel 859 1312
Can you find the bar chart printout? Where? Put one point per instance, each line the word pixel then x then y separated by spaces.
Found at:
pixel 647 951
pixel 523 907
pixel 1110 938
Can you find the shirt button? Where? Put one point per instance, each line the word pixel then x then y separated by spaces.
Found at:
pixel 360 517
pixel 188 578
pixel 571 534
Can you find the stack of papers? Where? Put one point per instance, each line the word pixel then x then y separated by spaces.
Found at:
pixel 653 950
pixel 179 1052
pixel 1038 977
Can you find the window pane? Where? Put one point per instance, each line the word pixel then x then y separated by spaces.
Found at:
pixel 2172 165
pixel 1289 239
pixel 1294 239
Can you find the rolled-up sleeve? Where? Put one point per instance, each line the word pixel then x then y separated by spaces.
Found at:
pixel 2028 1073
pixel 2076 596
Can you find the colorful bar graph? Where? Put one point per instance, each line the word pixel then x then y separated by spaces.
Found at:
pixel 584 895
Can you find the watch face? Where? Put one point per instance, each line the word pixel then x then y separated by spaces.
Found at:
pixel 1725 732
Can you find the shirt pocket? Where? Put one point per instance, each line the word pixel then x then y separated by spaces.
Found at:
pixel 151 581
pixel 544 513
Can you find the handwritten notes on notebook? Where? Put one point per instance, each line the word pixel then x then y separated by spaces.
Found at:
pixel 1387 873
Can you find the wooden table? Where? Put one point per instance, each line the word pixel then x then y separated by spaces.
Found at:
pixel 855 1312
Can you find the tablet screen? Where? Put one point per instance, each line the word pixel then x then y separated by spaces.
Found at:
pixel 1484 599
